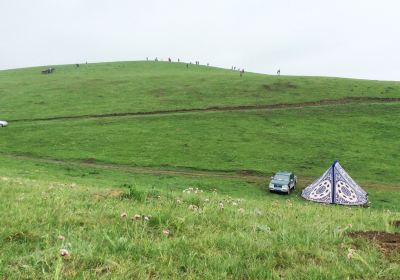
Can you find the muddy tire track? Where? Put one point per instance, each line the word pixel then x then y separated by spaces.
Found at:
pixel 343 101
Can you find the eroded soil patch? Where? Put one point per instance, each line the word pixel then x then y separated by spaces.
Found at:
pixel 388 242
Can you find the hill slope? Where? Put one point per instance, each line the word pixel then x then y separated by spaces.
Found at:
pixel 77 177
pixel 153 86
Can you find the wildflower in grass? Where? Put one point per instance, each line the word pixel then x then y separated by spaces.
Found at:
pixel 234 203
pixel 146 218
pixel 64 253
pixel 166 232
pixel 136 217
pixel 61 237
pixel 350 254
pixel 206 200
pixel 221 206
pixel 349 225
pixel 178 201
pixel 193 207
pixel 257 212
pixel 124 215
pixel 241 210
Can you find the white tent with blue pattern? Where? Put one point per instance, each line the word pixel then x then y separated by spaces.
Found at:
pixel 335 186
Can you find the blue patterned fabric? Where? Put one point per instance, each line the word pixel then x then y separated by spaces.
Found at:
pixel 337 187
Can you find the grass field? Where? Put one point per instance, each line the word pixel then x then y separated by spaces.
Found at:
pixel 75 177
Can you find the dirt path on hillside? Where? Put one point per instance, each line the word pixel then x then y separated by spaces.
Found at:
pixel 343 101
pixel 243 175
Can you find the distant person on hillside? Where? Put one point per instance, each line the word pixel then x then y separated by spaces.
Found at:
pixel 278 72
pixel 156 59
pixel 179 60
pixel 241 72
pixel 147 58
pixel 187 65
pixel 169 59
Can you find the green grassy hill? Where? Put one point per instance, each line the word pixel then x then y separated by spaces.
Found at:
pixel 87 144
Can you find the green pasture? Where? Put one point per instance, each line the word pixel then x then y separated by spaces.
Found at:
pixel 74 178
pixel 151 86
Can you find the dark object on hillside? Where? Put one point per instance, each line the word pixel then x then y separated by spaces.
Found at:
pixel 187 65
pixel 48 70
pixel 278 72
pixel 77 65
pixel 156 59
pixel 241 72
pixel 396 223
pixel 169 59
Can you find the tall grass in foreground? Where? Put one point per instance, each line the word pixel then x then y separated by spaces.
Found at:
pixel 211 236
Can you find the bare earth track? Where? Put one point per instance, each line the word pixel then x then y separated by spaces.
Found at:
pixel 343 101
pixel 242 175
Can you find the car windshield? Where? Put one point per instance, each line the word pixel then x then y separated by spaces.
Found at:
pixel 281 177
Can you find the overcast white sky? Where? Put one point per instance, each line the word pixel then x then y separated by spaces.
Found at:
pixel 346 38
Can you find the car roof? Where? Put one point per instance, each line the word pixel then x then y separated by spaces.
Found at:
pixel 283 173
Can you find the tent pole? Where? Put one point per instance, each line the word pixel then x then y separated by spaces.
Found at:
pixel 333 183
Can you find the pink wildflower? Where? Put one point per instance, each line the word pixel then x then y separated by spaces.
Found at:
pixel 350 253
pixel 166 232
pixel 64 253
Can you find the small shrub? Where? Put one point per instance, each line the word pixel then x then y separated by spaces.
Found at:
pixel 133 193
